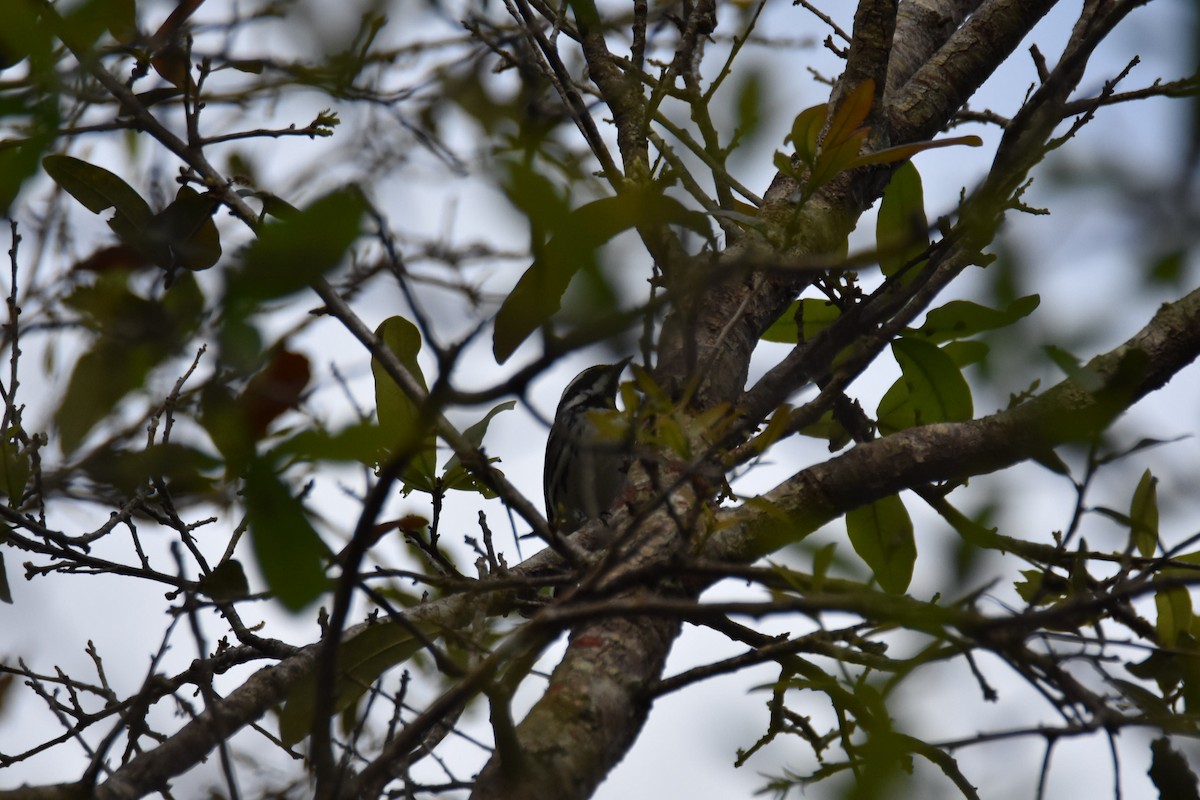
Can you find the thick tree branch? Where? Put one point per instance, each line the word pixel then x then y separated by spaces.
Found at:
pixel 922 26
pixel 953 451
pixel 948 79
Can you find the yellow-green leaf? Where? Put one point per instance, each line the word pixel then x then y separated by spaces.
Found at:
pixel 403 431
pixel 1143 515
pixel 901 230
pixel 1174 608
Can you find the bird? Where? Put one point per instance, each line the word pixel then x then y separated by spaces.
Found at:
pixel 586 460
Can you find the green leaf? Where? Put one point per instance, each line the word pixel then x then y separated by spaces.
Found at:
pixel 537 198
pixel 1174 607
pixel 358 442
pixel 101 378
pixel 959 319
pixel 402 429
pixel 901 229
pixel 1041 587
pixel 23 35
pixel 456 476
pixel 748 105
pixel 18 163
pixel 784 329
pixel 930 389
pixel 815 315
pixel 86 21
pixel 292 253
pixel 538 293
pixel 290 553
pixel 361 660
pixel 1147 701
pixel 97 188
pixel 822 560
pixel 965 353
pixel 1143 515
pixel 882 535
pixel 830 430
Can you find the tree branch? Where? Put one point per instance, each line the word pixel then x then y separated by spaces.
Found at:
pixel 954 451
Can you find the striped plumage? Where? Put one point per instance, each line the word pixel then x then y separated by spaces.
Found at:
pixel 584 470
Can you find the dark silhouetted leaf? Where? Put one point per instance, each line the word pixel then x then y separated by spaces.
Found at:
pixel 97 188
pixel 183 469
pixel 5 590
pixel 1170 772
pixel 226 582
pixel 290 553
pixel 101 377
pixel 22 34
pixel 749 106
pixel 359 442
pixel 134 335
pixel 116 257
pixel 290 254
pixel 187 228
pixel 1087 379
pixel 537 198
pixel 14 471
